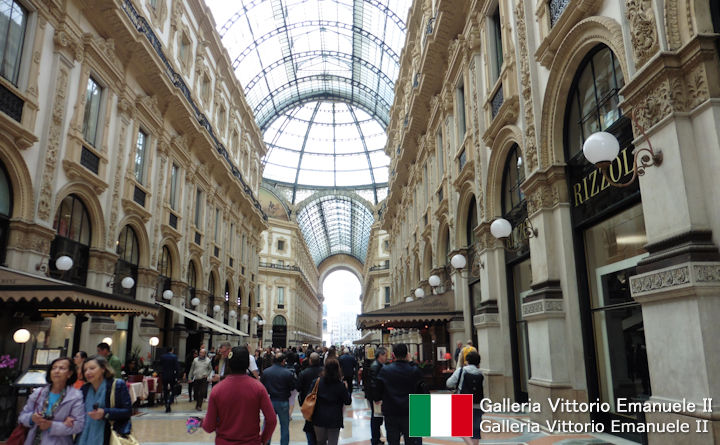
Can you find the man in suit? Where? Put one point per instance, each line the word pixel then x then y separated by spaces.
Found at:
pixel 221 362
pixel 169 370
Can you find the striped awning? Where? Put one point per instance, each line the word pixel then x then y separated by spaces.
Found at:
pixel 49 296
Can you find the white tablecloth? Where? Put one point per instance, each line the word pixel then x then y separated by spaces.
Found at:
pixel 138 390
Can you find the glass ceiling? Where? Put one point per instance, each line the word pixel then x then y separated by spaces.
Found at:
pixel 334 224
pixel 320 78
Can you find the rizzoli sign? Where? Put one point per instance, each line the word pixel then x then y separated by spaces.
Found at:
pixel 593 184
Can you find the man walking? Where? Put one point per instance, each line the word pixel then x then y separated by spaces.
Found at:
pixel 221 361
pixel 169 370
pixel 372 396
pixel 279 382
pixel 348 365
pixel 199 372
pixel 113 360
pixel 304 387
pixel 395 382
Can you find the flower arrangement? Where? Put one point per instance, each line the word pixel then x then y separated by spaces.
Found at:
pixel 7 369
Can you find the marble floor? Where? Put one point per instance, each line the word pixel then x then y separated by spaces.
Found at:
pixel 152 426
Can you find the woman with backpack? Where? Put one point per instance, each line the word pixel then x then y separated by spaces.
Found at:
pixel 468 379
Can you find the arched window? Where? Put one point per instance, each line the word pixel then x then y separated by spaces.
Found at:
pixel 239 298
pixel 192 284
pixel 259 330
pixel 211 297
pixel 165 271
pixel 279 332
pixel 593 104
pixel 279 320
pixel 72 224
pixel 471 223
pixel 226 312
pixel 6 204
pixel 514 207
pixel 127 264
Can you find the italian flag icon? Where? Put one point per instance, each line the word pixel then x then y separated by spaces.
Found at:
pixel 441 415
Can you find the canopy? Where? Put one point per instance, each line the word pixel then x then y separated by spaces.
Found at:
pixel 413 313
pixel 217 322
pixel 202 321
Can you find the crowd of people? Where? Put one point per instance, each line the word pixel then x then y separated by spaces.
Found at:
pixel 85 402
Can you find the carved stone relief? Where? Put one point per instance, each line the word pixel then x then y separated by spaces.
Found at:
pixel 531 156
pixel 643 30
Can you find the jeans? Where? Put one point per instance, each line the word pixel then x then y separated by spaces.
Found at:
pixel 399 426
pixel 327 436
pixel 310 435
pixel 375 423
pixel 282 409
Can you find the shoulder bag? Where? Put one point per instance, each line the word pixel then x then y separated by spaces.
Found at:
pixel 20 433
pixel 115 437
pixel 308 406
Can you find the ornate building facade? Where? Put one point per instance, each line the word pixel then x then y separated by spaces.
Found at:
pixel 493 104
pixel 126 146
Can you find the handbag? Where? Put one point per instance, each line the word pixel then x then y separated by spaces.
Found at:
pixel 308 406
pixel 20 433
pixel 177 389
pixel 115 437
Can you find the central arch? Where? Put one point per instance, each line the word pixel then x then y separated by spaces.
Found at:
pixel 341 262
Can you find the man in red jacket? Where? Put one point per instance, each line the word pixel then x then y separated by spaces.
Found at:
pixel 235 422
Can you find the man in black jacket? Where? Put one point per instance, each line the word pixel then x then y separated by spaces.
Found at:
pixel 395 382
pixel 349 366
pixel 304 387
pixel 169 366
pixel 372 396
pixel 279 381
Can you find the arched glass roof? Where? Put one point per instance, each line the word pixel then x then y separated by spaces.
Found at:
pixel 319 76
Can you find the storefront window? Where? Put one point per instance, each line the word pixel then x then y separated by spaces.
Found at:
pixel 72 224
pixel 613 248
pixel 521 280
pixel 127 264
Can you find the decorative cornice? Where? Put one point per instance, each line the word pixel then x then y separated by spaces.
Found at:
pixel 674 281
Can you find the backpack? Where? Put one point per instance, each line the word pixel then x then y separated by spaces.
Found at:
pixel 473 384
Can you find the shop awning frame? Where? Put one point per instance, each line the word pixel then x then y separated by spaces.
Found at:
pixel 208 319
pixel 49 296
pixel 433 308
pixel 187 314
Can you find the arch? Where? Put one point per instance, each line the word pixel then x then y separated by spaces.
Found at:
pixel 20 180
pixel 581 38
pixel 171 245
pixel 427 260
pixel 508 136
pixel 443 244
pixel 416 272
pixel 278 320
pixel 138 227
pixel 94 209
pixel 341 262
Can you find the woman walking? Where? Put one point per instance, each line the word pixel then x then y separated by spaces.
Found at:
pixel 332 394
pixel 54 413
pixel 79 360
pixel 102 412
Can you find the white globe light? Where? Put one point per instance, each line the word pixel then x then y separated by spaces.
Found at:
pixel 261 322
pixel 195 301
pixel 154 341
pixel 434 280
pixel 107 340
pixel 21 336
pixel 232 313
pixel 254 319
pixel 64 263
pixel 419 292
pixel 245 316
pixel 501 228
pixel 127 283
pixel 601 147
pixel 216 308
pixel 408 299
pixel 458 261
pixel 168 294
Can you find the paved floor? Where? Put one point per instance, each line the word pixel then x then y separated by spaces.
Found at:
pixel 153 427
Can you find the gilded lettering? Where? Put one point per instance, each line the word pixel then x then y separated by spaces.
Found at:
pixel 619 170
pixel 585 188
pixel 628 170
pixel 577 194
pixel 593 190
pixel 604 183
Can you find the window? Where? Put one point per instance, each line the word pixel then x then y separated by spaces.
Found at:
pixel 439 148
pixel 387 296
pixel 281 245
pixel 211 297
pixel 232 237
pixel 217 224
pixel 174 171
pixel 13 21
pixel 127 247
pixel 91 119
pixel 497 44
pixel 461 112
pixel 281 297
pixel 184 50
pixel 72 224
pixel 192 284
pixel 6 204
pixel 198 208
pixel 140 152
pixel 165 271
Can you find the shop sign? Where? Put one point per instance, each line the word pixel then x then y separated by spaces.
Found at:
pixel 594 183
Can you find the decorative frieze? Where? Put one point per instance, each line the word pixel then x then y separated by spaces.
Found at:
pixel 531 157
pixel 674 278
pixel 643 30
pixel 544 307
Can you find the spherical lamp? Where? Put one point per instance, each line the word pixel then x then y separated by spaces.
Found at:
pixel 107 340
pixel 254 319
pixel 232 313
pixel 154 341
pixel 216 308
pixel 245 316
pixel 127 283
pixel 601 147
pixel 419 292
pixel 408 299
pixel 195 301
pixel 167 294
pixel 261 322
pixel 64 263
pixel 501 228
pixel 434 280
pixel 458 261
pixel 21 336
